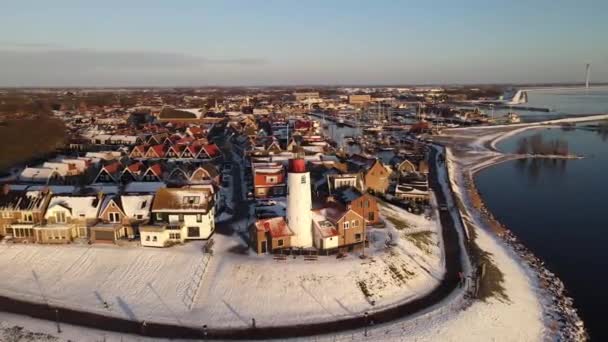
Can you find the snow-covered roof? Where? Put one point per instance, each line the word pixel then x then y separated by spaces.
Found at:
pixel 135 205
pixel 37 174
pixel 79 206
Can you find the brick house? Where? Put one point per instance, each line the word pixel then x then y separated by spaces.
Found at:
pixel 362 203
pixel 335 222
pixel 268 180
pixel 270 235
pixel 21 211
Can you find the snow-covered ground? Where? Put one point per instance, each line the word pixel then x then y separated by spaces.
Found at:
pixel 161 285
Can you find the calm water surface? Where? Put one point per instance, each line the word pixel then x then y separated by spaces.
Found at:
pixel 559 209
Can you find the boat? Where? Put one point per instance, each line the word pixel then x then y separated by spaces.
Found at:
pixel 374 129
pixel 513 118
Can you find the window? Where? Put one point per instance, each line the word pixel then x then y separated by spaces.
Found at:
pixel 303 179
pixel 358 237
pixel 367 203
pixel 355 223
pixel 346 225
pixel 280 243
pixel 191 200
pixel 114 217
pixel 180 217
pixel 370 216
pixel 159 217
pixel 154 238
pixel 148 238
pixel 27 217
pixel 174 236
pixel 143 204
pixel 199 218
pixel 194 232
pixel 140 216
pixel 60 215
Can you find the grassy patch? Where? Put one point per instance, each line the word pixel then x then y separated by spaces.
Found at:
pixel 399 224
pixel 401 275
pixel 364 289
pixel 422 240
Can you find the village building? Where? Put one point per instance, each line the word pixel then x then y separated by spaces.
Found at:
pixel 21 211
pixel 68 218
pixel 120 217
pixel 268 180
pixel 270 235
pixel 362 203
pixel 180 214
pixel 338 229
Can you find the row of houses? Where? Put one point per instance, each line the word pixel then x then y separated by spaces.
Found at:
pixel 193 150
pixel 157 171
pixel 158 219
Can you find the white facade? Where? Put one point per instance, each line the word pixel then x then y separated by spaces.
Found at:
pixel 330 242
pixel 299 205
pixel 195 226
pixel 161 236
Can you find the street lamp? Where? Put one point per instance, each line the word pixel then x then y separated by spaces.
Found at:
pixel 57 321
pixel 365 315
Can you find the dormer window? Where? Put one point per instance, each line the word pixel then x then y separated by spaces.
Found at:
pixel 190 200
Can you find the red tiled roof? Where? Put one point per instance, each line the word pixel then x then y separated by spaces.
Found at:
pixel 136 167
pixel 276 226
pixel 193 149
pixel 157 169
pixel 113 167
pixel 212 150
pixel 159 150
pixel 141 148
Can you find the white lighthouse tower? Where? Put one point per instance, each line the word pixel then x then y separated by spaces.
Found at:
pixel 299 203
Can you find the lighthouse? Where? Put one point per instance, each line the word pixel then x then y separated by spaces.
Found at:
pixel 299 203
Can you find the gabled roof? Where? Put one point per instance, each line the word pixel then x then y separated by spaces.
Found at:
pixel 135 168
pixel 112 168
pixel 156 169
pixel 193 150
pixel 22 200
pixel 78 206
pixel 159 150
pixel 212 150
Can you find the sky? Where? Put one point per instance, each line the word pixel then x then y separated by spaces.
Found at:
pixel 311 42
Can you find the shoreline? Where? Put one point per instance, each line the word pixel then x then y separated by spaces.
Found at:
pixel 562 319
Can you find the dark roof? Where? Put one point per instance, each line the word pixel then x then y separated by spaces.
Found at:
pixel 19 200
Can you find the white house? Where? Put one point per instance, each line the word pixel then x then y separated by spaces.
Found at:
pixel 69 216
pixel 180 214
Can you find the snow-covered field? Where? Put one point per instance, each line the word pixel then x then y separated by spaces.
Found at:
pixel 163 284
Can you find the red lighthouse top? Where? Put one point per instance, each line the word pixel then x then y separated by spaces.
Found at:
pixel 297 165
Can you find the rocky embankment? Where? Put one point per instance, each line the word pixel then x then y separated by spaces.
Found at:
pixel 559 306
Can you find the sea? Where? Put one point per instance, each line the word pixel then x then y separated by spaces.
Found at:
pixel 559 208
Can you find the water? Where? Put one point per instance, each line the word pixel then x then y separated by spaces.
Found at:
pixel 558 207
pixel 562 102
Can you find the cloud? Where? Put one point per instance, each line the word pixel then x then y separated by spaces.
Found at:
pixel 42 64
